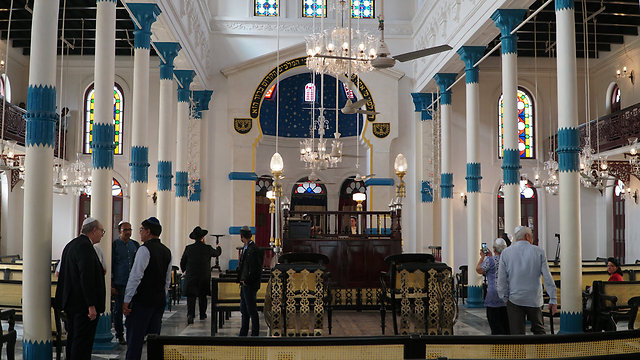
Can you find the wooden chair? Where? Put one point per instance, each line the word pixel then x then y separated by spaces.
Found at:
pixel 611 303
pixel 58 332
pixel 462 280
pixel 634 319
pixel 9 337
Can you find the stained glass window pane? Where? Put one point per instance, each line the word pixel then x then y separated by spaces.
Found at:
pixel 116 189
pixel 362 9
pixel 309 188
pixel 527 190
pixel 269 92
pixel 117 119
pixel 266 7
pixel 309 92
pixel 526 122
pixel 314 8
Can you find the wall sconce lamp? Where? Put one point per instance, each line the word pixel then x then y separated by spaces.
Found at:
pixel 277 166
pixel 153 196
pixel 359 198
pixel 635 196
pixel 400 166
pixel 463 197
pixel 625 74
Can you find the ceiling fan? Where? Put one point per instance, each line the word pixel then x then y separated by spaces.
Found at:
pixel 351 107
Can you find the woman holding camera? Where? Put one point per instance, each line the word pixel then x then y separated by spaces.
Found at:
pixel 496 308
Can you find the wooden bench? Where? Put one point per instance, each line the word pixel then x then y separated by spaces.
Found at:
pixel 611 302
pixel 14 272
pixel 9 337
pixel 225 297
pixel 11 295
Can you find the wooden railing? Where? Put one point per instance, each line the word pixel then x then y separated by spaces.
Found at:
pixel 613 131
pixel 333 224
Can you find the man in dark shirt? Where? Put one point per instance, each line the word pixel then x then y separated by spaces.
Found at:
pixel 196 264
pixel 147 287
pixel 81 289
pixel 123 251
pixel 249 273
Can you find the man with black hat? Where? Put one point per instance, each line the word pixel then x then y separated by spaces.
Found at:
pixel 249 273
pixel 196 264
pixel 146 293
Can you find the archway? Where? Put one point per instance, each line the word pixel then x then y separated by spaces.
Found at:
pixel 528 209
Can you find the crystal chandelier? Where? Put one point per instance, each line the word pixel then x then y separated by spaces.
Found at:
pixel 551 182
pixel 9 160
pixel 341 50
pixel 76 177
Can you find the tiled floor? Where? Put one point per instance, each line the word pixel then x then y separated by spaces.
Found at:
pixel 345 323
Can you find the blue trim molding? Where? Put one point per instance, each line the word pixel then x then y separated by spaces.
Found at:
pixel 204 97
pixel 164 175
pixel 474 298
pixel 570 323
pixel 139 164
pixel 511 166
pixel 565 4
pixel 427 192
pixel 195 195
pixel 37 349
pixel 568 150
pixel 235 230
pixel 506 20
pixel 103 337
pixel 184 77
pixel 473 177
pixel 380 182
pixel 243 175
pixel 446 185
pixel 168 52
pixel 102 146
pixel 143 15
pixel 444 80
pixel 41 116
pixel 182 182
pixel 470 55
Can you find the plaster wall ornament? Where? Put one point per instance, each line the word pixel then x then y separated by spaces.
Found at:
pixel 297 27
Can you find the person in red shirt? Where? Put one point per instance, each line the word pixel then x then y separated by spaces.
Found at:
pixel 613 268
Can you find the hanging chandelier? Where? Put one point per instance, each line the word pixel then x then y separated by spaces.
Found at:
pixel 75 177
pixel 341 50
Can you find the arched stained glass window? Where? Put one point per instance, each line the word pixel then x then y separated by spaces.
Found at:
pixel 526 125
pixel 309 188
pixel 89 117
pixel 527 190
pixel 266 7
pixel 116 188
pixel 314 8
pixel 362 9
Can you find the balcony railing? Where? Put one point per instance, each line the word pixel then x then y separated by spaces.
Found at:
pixel 613 131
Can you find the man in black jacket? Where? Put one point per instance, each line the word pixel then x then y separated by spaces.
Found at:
pixel 196 264
pixel 147 287
pixel 81 289
pixel 249 273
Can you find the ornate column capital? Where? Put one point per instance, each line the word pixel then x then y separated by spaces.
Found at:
pixel 506 20
pixel 143 15
pixel 444 80
pixel 184 78
pixel 470 56
pixel 167 52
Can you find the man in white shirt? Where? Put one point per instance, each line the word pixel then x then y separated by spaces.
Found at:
pixel 519 286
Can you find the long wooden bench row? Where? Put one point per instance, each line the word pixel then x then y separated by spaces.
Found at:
pixel 611 303
pixel 225 297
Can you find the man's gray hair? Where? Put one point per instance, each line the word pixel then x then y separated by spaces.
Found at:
pixel 499 244
pixel 521 231
pixel 89 226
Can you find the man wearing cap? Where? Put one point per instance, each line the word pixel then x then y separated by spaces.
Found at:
pixel 196 264
pixel 81 290
pixel 123 251
pixel 249 273
pixel 146 292
pixel 519 271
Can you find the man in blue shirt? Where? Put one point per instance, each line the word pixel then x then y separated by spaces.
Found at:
pixel 519 286
pixel 123 251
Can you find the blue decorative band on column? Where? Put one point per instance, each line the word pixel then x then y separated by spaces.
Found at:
pixel 380 182
pixel 204 97
pixel 565 4
pixel 474 297
pixel 102 146
pixel 568 149
pixel 235 230
pixel 41 116
pixel 139 164
pixel 473 177
pixel 427 192
pixel 143 15
pixel 103 337
pixel 184 77
pixel 507 20
pixel 37 349
pixel 164 175
pixel 444 80
pixel 243 175
pixel 446 185
pixel 511 166
pixel 182 181
pixel 570 323
pixel 470 56
pixel 425 115
pixel 195 195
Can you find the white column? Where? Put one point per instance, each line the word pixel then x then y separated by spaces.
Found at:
pixel 204 99
pixel 41 120
pixel 102 146
pixel 143 15
pixel 180 235
pixel 506 20
pixel 444 80
pixel 470 55
pixel 166 136
pixel 568 165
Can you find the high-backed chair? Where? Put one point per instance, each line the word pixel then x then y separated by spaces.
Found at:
pixel 8 337
pixel 421 291
pixel 298 296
